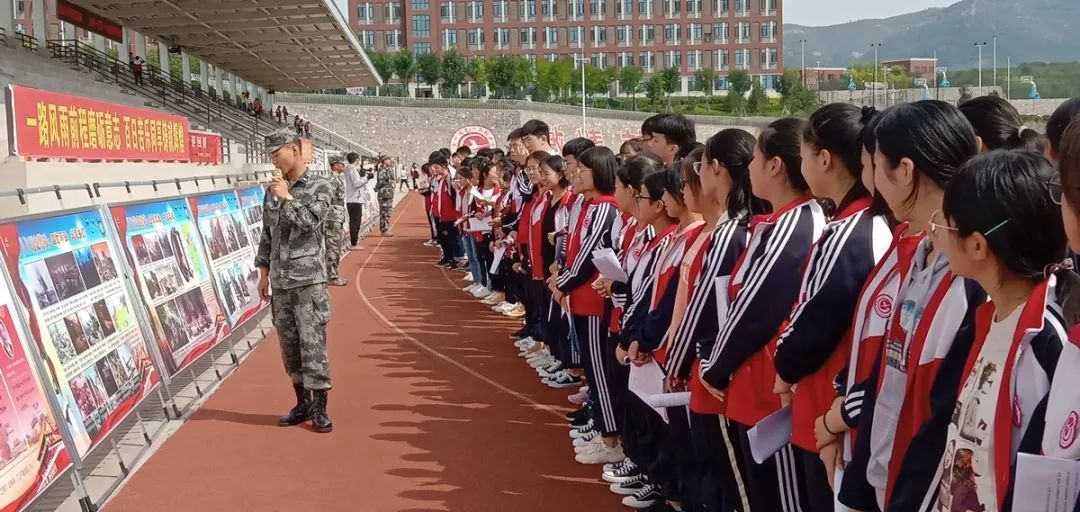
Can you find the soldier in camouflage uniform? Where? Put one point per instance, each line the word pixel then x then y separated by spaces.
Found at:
pixel 292 263
pixel 384 188
pixel 335 223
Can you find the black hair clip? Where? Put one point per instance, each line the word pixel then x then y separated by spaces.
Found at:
pixel 1054 268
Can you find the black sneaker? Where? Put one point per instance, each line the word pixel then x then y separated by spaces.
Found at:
pixel 580 421
pixel 645 497
pixel 520 333
pixel 630 486
pixel 582 412
pixel 659 506
pixel 625 472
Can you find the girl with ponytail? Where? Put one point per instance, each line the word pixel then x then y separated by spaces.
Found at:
pixel 760 293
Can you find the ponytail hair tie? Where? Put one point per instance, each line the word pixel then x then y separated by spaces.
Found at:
pixel 1055 268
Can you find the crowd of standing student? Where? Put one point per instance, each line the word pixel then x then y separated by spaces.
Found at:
pixel 895 287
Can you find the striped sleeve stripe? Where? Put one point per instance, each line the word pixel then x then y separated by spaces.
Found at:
pixel 599 213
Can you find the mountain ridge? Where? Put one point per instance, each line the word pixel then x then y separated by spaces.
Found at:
pixel 1027 30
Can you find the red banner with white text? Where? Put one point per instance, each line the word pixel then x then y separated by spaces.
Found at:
pixel 46 124
pixel 204 148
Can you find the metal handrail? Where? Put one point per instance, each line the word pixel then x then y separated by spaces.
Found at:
pixel 496 104
pixel 26 41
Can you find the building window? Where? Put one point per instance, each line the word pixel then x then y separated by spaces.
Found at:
pixel 672 59
pixel 672 8
pixel 693 8
pixel 742 58
pixel 742 31
pixel 550 9
pixel 393 12
pixel 599 35
pixel 498 9
pixel 645 60
pixel 720 33
pixel 648 34
pixel 421 5
pixel 742 7
pixel 421 25
pixel 528 37
pixel 694 33
pixel 527 9
pixel 597 9
pixel 721 7
pixel 575 35
pixel 393 39
pixel 624 8
pixel 367 38
pixel 476 37
pixel 446 10
pixel 768 30
pixel 575 9
pixel 365 13
pixel 476 10
pixel 693 60
pixel 551 36
pixel 768 58
pixel 671 34
pixel 645 9
pixel 421 48
pixel 768 82
pixel 768 7
pixel 720 59
pixel 449 37
pixel 502 37
pixel 622 34
pixel 626 59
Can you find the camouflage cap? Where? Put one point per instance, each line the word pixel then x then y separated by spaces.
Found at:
pixel 337 159
pixel 280 137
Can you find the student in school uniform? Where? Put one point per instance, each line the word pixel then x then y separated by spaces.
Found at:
pixel 762 291
pixel 809 352
pixel 573 288
pixel 998 125
pixel 999 227
pixel 920 147
pixel 485 197
pixel 536 136
pixel 1057 125
pixel 444 209
pixel 668 136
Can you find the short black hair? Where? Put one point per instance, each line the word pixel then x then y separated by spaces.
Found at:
pixel 1004 195
pixel 536 128
pixel 485 153
pixel 515 134
pixel 676 128
pixel 438 158
pixel 669 180
pixel 603 164
pixel 352 157
pixel 634 170
pixel 576 146
pixel 557 164
pixel 1059 121
pixel 463 151
pixel 446 152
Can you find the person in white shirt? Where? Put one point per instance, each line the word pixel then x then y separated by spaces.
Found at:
pixel 356 194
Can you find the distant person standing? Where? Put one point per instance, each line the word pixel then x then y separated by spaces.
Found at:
pixel 403 177
pixel 292 262
pixel 415 175
pixel 384 190
pixel 335 223
pixel 137 64
pixel 356 194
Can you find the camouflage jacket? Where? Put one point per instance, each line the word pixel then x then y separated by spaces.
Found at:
pixel 293 246
pixel 384 184
pixel 336 215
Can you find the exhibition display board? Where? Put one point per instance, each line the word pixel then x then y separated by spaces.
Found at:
pixel 228 244
pixel 251 200
pixel 32 452
pixel 66 269
pixel 164 248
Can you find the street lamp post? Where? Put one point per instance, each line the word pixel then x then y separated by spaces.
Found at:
pixel 583 60
pixel 1008 78
pixel 995 61
pixel 980 47
pixel 802 51
pixel 873 93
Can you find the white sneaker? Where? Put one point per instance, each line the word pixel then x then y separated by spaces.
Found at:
pixel 493 299
pixel 542 362
pixel 469 289
pixel 603 455
pixel 481 292
pixel 468 277
pixel 593 444
pixel 528 340
pixel 591 437
pixel 582 431
pixel 502 306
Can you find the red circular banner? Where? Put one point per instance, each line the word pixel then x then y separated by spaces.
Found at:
pixel 475 137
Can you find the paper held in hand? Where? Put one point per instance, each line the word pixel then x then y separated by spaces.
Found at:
pixel 478 225
pixel 609 266
pixel 770 434
pixel 500 251
pixel 1048 484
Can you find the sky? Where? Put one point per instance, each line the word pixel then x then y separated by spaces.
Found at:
pixel 832 12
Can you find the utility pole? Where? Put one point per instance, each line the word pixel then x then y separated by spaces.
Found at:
pixel 1008 79
pixel 980 47
pixel 873 93
pixel 995 62
pixel 802 50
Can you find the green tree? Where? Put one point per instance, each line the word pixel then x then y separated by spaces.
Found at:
pixel 739 83
pixel 507 75
pixel 597 81
pixel 405 67
pixel 383 63
pixel 630 81
pixel 176 63
pixel 794 98
pixel 562 75
pixel 758 99
pixel 654 92
pixel 544 87
pixel 706 79
pixel 429 69
pixel 454 70
pixel 522 76
pixel 668 81
pixel 477 69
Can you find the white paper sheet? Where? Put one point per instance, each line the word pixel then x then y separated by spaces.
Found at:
pixel 479 225
pixel 609 265
pixel 646 381
pixel 1047 484
pixel 678 399
pixel 770 434
pixel 500 250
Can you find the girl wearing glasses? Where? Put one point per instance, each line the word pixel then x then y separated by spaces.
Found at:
pixel 759 295
pixel 573 289
pixel 920 147
pixel 810 351
pixel 998 227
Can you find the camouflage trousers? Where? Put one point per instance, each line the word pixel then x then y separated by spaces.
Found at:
pixel 335 248
pixel 385 209
pixel 300 317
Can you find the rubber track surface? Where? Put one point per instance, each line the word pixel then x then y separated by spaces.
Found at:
pixel 432 410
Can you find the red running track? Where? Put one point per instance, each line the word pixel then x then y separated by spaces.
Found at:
pixel 432 410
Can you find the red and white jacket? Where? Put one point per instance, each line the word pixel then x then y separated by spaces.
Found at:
pixel 595 227
pixel 443 205
pixel 762 290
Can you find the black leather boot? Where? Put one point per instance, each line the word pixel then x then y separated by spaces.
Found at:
pixel 302 411
pixel 319 420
